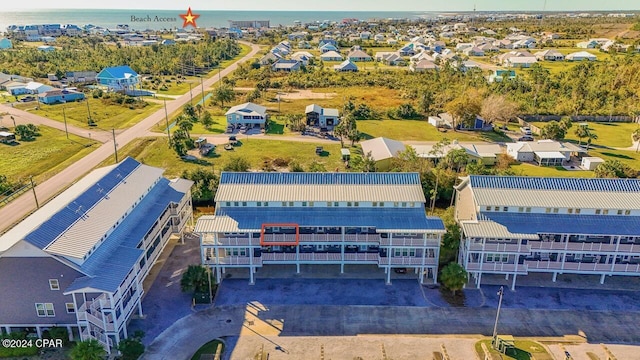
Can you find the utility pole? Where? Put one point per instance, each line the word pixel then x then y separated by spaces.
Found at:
pixel 494 341
pixel 166 117
pixel 191 94
pixel 64 115
pixel 89 113
pixel 14 123
pixel 33 188
pixel 115 145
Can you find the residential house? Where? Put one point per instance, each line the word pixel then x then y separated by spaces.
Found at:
pixel 365 35
pixel 320 117
pixel 5 44
pixel 320 219
pixel 423 65
pixel 390 58
pixel 478 124
pixel 60 96
pixel 503 44
pixel 346 65
pixel 34 87
pixel 501 75
pixel 331 56
pixel 462 46
pixel 408 50
pixel 514 226
pixel 304 45
pixel 359 55
pixel 382 151
pixel 422 56
pixel 331 42
pixel 81 76
pixel 119 78
pixel 590 162
pixel 488 47
pixel 544 152
pixel 549 55
pixel 591 44
pixel 247 114
pixel 379 37
pixel 580 56
pixel 302 56
pixel 168 42
pixel 270 58
pixel 486 154
pixel 86 253
pixel 286 65
pixel 7 137
pixel 521 62
pixel 328 47
pixel 473 51
pixel 71 30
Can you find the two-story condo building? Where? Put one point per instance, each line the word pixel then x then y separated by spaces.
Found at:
pixel 79 261
pixel 320 218
pixel 520 225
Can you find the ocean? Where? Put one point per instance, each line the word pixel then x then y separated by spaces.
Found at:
pixel 168 19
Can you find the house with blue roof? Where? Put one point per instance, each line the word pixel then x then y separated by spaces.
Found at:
pixel 5 44
pixel 335 219
pixel 514 226
pixel 118 78
pixel 86 253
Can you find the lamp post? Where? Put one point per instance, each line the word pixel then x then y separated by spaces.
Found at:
pixel 495 326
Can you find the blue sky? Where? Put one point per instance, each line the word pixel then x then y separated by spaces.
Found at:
pixel 336 5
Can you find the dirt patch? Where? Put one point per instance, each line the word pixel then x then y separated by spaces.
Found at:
pixel 306 94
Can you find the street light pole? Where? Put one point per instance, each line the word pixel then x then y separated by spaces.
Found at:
pixel 115 144
pixel 495 326
pixel 64 115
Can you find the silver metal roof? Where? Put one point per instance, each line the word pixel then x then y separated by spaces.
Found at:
pixel 490 229
pixel 557 198
pixel 88 232
pixel 314 192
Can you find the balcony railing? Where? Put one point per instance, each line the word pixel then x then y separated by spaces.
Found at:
pixel 497 268
pixel 408 242
pixel 584 247
pixel 583 267
pixel 500 248
pixel 232 241
pixel 102 338
pixel 97 321
pixel 232 260
pixel 364 257
pixel 407 260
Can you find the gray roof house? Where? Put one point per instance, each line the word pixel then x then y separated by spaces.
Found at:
pixel 382 150
pixel 79 261
pixel 359 55
pixel 346 65
pixel 286 65
pixel 318 116
pixel 331 56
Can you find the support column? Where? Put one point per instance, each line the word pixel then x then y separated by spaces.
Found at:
pixel 39 331
pixel 218 274
pixel 513 283
pixel 70 332
pixel 251 280
pixel 342 250
pixel 479 279
pixel 602 279
pixel 298 259
pixel 555 276
pixel 506 276
pixel 389 277
pixel 7 329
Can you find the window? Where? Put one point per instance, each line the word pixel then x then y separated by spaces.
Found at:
pixel 310 203
pixel 521 209
pixel 304 203
pixel 54 284
pixel 547 210
pixel 228 203
pixel 336 204
pixel 605 212
pixel 395 204
pixel 235 203
pixel 382 204
pixel 284 204
pixel 266 203
pixel 412 204
pixel 70 308
pixel 374 204
pixel 528 209
pixel 497 208
pixel 244 203
pixel 489 257
pixel 578 211
pixel 259 204
pixel 570 210
pixel 356 204
pixel 488 208
pixel 598 211
pixel 329 203
pixel 506 208
pixel 290 203
pixel 348 203
pixel 555 210
pixel 627 212
pixel 45 310
pixel 619 212
pixel 404 204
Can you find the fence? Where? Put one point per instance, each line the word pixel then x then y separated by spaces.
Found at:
pixel 581 118
pixel 7 197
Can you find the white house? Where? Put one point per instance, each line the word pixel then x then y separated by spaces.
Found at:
pixel 591 162
pixel 543 152
pixel 331 56
pixel 247 114
pixel 581 55
pixel 549 55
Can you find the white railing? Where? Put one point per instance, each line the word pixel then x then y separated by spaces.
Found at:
pixel 409 242
pixel 232 260
pixel 278 257
pixel 584 247
pixel 320 256
pixel 632 268
pixel 407 260
pixel 99 323
pixel 497 267
pixel 500 248
pixel 102 338
pixel 320 238
pixel 369 257
pixel 233 241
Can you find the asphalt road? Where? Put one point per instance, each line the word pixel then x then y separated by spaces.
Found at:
pixel 25 204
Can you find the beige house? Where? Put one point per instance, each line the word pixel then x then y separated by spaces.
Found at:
pixel 382 151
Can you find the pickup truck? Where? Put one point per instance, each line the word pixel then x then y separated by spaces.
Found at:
pixel 525 130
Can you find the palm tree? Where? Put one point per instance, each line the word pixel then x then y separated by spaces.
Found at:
pixel 591 136
pixel 194 279
pixel 636 138
pixel 453 277
pixel 88 350
pixel 185 124
pixel 581 132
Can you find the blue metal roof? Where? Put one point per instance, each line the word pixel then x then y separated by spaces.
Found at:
pixel 109 265
pixel 117 72
pixel 390 219
pixel 76 209
pixel 539 183
pixel 566 224
pixel 276 178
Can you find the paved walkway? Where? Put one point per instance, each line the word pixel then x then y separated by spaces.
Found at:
pixel 23 205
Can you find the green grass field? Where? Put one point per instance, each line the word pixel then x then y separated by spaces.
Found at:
pixel 43 157
pixel 526 350
pixel 548 171
pixel 106 116
pixel 208 348
pixel 617 135
pixel 156 152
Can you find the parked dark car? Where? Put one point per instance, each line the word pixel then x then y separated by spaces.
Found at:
pixel 27 99
pixel 400 270
pixel 525 138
